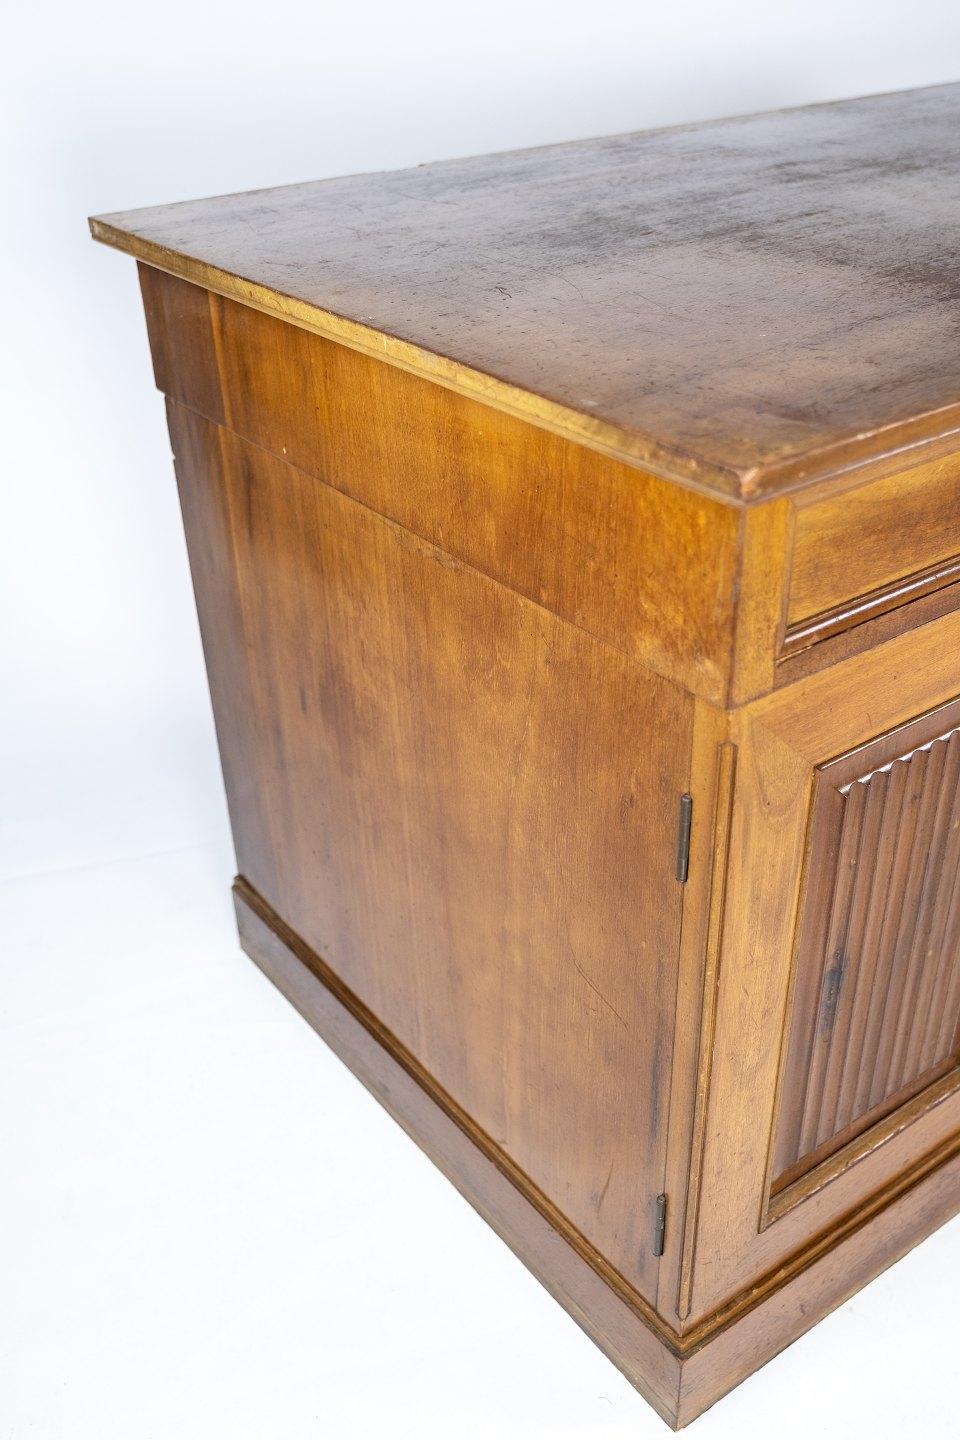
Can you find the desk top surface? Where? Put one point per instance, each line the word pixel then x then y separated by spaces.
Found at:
pixel 747 304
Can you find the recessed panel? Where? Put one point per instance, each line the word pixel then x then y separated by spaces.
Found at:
pixel 875 1008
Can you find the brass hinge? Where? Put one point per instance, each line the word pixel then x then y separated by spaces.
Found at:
pixel 683 837
pixel 659 1224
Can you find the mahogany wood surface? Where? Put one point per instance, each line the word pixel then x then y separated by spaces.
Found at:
pixel 745 303
pixel 459 838
pixel 497 493
pixel 679 1376
pixel 534 503
pixel 904 523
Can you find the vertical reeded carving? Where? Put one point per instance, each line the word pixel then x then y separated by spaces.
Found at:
pixel 875 1009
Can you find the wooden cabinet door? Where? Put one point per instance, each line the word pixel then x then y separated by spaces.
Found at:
pixel 874 1004
pixel 835 1079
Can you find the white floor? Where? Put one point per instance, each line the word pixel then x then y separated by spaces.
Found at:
pixel 208 1229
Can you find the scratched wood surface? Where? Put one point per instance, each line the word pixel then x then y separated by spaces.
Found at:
pixel 523 495
pixel 747 303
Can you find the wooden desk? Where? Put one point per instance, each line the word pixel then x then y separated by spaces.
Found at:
pixel 576 541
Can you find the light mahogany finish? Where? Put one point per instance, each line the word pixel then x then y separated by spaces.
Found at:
pixel 905 526
pixel 505 498
pixel 576 543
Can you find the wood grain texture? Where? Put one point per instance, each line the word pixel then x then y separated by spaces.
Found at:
pixel 923 1197
pixel 746 304
pixel 869 621
pixel 898 601
pixel 594 1295
pixel 680 1376
pixel 765 534
pixel 685 583
pixel 698 934
pixel 720 848
pixel 781 741
pixel 524 496
pixel 874 1017
pixel 470 812
pixel 628 557
pixel 865 540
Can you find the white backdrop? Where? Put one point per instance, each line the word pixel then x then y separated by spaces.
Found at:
pixel 105 735
pixel 206 1228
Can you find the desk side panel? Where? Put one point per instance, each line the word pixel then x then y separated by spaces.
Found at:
pixel 470 815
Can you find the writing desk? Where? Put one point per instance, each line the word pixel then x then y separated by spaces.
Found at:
pixel 576 543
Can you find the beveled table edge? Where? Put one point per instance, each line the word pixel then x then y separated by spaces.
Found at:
pixel 909 438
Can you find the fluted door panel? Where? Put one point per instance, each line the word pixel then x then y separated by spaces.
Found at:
pixel 875 1007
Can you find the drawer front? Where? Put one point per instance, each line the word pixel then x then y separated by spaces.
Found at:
pixel 871 550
